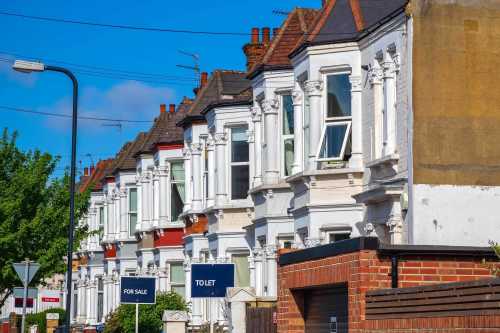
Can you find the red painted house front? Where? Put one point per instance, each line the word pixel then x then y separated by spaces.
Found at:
pixel 169 237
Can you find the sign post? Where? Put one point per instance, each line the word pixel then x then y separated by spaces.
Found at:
pixel 137 290
pixel 26 270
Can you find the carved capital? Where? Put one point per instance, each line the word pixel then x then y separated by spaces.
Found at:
pixel 220 138
pixel 297 97
pixel 314 88
pixel 270 105
pixel 186 152
pixel 196 148
pixel 312 242
pixel 255 111
pixel 375 73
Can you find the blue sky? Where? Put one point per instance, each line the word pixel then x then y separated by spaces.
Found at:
pixel 118 97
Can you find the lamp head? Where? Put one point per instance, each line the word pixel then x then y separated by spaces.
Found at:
pixel 28 66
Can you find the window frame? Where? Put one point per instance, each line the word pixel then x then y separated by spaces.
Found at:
pixel 177 284
pixel 231 164
pixel 285 137
pixel 334 121
pixel 173 182
pixel 131 233
pixel 100 292
pixel 344 142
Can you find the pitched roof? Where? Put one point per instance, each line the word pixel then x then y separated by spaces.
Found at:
pixel 125 159
pixel 297 23
pixel 349 20
pixel 164 129
pixel 222 86
pixel 94 180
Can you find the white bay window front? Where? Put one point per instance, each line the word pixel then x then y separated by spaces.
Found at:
pixel 239 163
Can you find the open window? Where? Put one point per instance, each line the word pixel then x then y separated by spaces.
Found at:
pixel 335 138
pixel 177 189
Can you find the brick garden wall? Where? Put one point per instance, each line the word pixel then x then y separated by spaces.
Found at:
pixel 367 270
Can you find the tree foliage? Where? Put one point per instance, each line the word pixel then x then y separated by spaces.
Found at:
pixel 40 319
pixel 122 320
pixel 34 213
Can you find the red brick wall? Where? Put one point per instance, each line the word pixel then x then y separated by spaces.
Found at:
pixel 110 252
pixel 365 270
pixel 170 237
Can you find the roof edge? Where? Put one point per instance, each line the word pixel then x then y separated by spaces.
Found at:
pixel 212 106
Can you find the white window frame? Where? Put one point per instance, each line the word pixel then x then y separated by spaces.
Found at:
pixel 284 137
pixel 172 182
pixel 333 121
pixel 231 163
pixel 177 284
pixel 130 212
pixel 344 143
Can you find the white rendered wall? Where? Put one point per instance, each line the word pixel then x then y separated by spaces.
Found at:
pixel 456 215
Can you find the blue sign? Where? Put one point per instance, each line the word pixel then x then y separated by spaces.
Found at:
pixel 211 280
pixel 137 290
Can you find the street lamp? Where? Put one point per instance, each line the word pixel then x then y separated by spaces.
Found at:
pixel 28 67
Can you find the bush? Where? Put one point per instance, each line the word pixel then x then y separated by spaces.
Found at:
pixel 40 319
pixel 122 320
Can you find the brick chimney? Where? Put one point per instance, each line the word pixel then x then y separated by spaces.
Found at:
pixel 163 108
pixel 171 108
pixel 203 79
pixel 92 170
pixel 253 50
pixel 266 36
pixel 86 172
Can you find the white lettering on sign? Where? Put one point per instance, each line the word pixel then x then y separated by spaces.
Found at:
pixel 135 291
pixel 205 283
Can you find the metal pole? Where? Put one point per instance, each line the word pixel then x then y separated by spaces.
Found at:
pixel 136 317
pixel 25 293
pixel 71 191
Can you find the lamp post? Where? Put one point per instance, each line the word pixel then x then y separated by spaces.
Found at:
pixel 28 67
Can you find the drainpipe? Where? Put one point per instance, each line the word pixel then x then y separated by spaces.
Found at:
pixel 394 271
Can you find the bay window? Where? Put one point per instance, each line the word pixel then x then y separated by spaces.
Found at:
pixel 177 278
pixel 335 138
pixel 132 211
pixel 177 189
pixel 287 139
pixel 240 163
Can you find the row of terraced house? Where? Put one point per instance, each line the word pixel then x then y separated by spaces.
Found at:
pixel 355 119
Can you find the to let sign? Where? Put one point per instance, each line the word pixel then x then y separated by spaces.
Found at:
pixel 211 280
pixel 137 290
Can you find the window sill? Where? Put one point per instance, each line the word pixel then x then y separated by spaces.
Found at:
pixel 313 173
pixel 235 204
pixel 265 187
pixel 388 160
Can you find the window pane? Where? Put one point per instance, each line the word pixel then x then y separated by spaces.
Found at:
pixel 133 200
pixel 132 223
pixel 100 307
pixel 181 290
pixel 177 171
pixel 239 145
pixel 339 96
pixel 332 141
pixel 176 273
pixel 287 115
pixel 288 158
pixel 338 237
pixel 101 216
pixel 177 201
pixel 239 181
pixel 241 270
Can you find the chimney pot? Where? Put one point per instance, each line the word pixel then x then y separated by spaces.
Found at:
pixel 85 172
pixel 204 79
pixel 171 108
pixel 92 169
pixel 266 35
pixel 255 36
pixel 163 108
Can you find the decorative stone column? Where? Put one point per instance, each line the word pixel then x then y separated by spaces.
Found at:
pixel 314 90
pixel 116 289
pixel 259 278
pixel 187 178
pixel 271 171
pixel 175 321
pixel 117 212
pixel 156 197
pixel 139 203
pixel 298 100
pixel 163 173
pixel 123 213
pixel 211 171
pixel 376 78
pixel 272 270
pixel 196 149
pixel 390 69
pixel 145 203
pixel 395 224
pixel 356 160
pixel 163 278
pixel 256 119
pixel 251 149
pixel 220 157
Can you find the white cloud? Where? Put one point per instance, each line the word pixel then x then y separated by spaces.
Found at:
pixel 127 100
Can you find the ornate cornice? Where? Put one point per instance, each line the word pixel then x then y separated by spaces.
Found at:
pixel 314 88
pixel 270 106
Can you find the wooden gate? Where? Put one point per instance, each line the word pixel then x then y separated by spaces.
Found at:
pixel 262 320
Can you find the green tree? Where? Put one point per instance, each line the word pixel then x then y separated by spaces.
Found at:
pixel 40 319
pixel 34 213
pixel 122 320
